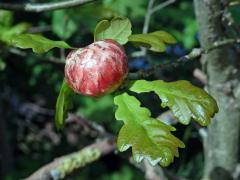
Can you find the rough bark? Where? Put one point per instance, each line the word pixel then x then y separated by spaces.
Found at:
pixel 220 65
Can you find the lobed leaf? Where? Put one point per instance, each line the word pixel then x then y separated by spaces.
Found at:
pixel 118 29
pixel 155 41
pixel 185 100
pixel 37 43
pixel 148 137
pixel 64 103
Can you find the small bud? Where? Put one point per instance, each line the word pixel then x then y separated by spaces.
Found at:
pixel 97 69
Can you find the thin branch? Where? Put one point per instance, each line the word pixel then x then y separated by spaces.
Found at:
pixel 91 125
pixel 162 5
pixel 44 59
pixel 234 3
pixel 150 11
pixel 65 165
pixel 40 29
pixel 201 76
pixel 146 23
pixel 222 43
pixel 148 16
pixel 194 54
pixel 153 173
pixel 40 7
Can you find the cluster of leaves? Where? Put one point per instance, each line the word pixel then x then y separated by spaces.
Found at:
pixel 149 137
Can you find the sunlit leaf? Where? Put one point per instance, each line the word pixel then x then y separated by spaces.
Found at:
pixel 155 41
pixel 148 137
pixel 185 100
pixel 64 103
pixel 37 43
pixel 118 29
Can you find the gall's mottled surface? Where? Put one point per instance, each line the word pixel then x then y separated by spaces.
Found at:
pixel 96 69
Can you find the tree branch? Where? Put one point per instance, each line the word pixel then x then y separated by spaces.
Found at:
pixel 149 12
pixel 148 16
pixel 194 54
pixel 40 7
pixel 162 5
pixel 65 165
pixel 234 3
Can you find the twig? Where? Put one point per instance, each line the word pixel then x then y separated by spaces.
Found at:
pixel 168 118
pixel 153 173
pixel 65 165
pixel 40 7
pixel 236 173
pixel 40 29
pixel 194 54
pixel 197 73
pixel 17 52
pixel 45 59
pixel 150 11
pixel 148 16
pixel 234 3
pixel 146 23
pixel 91 125
pixel 222 43
pixel 162 5
pixel 157 169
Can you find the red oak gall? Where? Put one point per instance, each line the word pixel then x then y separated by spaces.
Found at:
pixel 97 69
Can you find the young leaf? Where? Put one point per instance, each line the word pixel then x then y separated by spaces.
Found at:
pixel 148 137
pixel 38 43
pixel 185 100
pixel 64 102
pixel 155 41
pixel 118 29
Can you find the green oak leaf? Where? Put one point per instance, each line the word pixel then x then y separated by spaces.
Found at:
pixel 185 100
pixel 118 29
pixel 155 41
pixel 148 137
pixel 64 103
pixel 37 43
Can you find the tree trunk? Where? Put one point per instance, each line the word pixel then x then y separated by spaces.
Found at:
pixel 222 141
